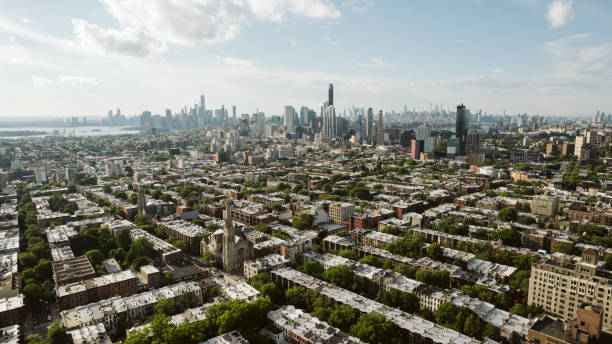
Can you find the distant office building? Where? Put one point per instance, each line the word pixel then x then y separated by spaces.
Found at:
pixel 524 156
pixel 451 146
pixel 472 143
pixel 380 131
pixel 405 138
pixel 330 95
pixel 415 149
pixel 146 120
pixel 304 115
pixel 340 211
pixel 290 118
pixel 369 126
pixel 423 133
pixel 329 122
pixel 544 205
pixel 567 149
pixel 583 150
pixel 461 125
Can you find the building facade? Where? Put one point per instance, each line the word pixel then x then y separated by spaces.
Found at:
pixel 561 287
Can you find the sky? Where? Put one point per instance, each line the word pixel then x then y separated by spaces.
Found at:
pixel 84 57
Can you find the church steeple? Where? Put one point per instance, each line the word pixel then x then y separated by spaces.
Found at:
pixel 142 200
pixel 229 240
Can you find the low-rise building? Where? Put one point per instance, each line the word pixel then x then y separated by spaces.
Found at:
pixel 264 264
pixel 544 205
pixel 290 325
pixel 72 270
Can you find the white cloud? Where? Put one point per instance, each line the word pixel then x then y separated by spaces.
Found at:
pixel 497 70
pixel 276 10
pixel 329 40
pixel 129 41
pixel 26 20
pixel 579 61
pixel 376 63
pixel 293 42
pixel 560 12
pixel 147 27
pixel 232 61
pixel 359 6
pixel 75 80
pixel 37 81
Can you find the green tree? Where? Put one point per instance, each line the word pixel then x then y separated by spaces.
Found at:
pixel 141 247
pixel 312 268
pixel 140 261
pixel 343 317
pixel 520 281
pixel 95 256
pixel 473 326
pixel 272 291
pixel 387 264
pixel 508 236
pixel 33 292
pixel 446 313
pixel 492 332
pixel 186 301
pixel 608 261
pixel 168 278
pixel 208 258
pixel 29 276
pixel 507 214
pixel 141 219
pixel 435 251
pixel 165 307
pixel 44 270
pixel 519 309
pixel 123 239
pixel 341 276
pixel 370 260
pixel 376 329
pixel 156 194
pixel 27 259
pixel 349 254
pixel 408 302
pixel 361 193
pixel 35 339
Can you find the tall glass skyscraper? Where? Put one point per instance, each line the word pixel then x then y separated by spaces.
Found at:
pixel 461 126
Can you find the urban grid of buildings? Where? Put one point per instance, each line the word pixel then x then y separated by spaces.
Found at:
pixel 450 226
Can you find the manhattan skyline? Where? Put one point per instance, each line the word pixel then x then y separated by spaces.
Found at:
pixel 538 57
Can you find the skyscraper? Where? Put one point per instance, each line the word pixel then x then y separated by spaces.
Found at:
pixel 461 125
pixel 368 127
pixel 380 132
pixel 329 122
pixel 202 103
pixel 472 143
pixel 290 118
pixel 330 95
pixel 304 115
pixel 234 112
pixel 423 133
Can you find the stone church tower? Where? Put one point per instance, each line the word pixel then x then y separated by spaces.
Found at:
pixel 229 240
pixel 142 201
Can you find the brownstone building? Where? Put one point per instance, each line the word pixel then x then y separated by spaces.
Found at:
pixel 72 270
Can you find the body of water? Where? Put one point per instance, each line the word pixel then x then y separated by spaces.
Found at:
pixel 66 131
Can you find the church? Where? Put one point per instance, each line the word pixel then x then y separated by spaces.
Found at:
pixel 229 245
